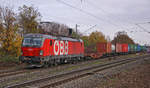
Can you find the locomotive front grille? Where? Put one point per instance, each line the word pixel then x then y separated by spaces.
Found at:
pixel 29 53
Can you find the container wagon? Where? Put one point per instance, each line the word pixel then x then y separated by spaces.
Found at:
pixel 91 51
pixel 124 48
pixel 135 48
pixel 113 48
pixel 118 48
pixel 131 48
pixel 104 48
pixel 138 48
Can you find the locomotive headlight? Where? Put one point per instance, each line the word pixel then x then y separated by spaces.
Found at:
pixel 41 52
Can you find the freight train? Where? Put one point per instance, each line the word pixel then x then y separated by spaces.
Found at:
pixel 40 50
pixel 108 49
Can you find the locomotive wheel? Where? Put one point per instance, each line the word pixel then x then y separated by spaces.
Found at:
pixel 46 65
pixel 74 60
pixel 55 64
pixel 61 61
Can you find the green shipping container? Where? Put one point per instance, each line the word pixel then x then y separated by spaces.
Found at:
pixel 131 48
pixel 135 48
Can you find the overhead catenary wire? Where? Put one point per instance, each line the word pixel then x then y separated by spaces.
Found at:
pixel 70 20
pixel 87 13
pixel 92 4
pixel 145 30
pixel 108 20
pixel 81 10
pixel 106 13
pixel 102 10
pixel 89 28
pixel 64 18
pixel 92 15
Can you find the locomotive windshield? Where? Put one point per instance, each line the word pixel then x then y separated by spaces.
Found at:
pixel 32 42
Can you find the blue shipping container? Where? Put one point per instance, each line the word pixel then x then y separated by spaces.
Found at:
pixel 138 48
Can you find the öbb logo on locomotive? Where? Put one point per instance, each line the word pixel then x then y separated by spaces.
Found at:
pixel 60 47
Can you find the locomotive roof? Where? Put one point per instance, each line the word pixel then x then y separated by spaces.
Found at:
pixel 50 37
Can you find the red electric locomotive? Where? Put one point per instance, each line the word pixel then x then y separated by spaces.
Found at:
pixel 43 50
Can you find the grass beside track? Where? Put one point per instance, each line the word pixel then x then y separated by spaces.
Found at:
pixel 9 62
pixel 9 59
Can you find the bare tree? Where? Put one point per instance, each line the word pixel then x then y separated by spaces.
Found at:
pixel 54 28
pixel 28 19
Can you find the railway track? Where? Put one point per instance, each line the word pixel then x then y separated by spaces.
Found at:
pixel 55 80
pixel 17 72
pixel 4 74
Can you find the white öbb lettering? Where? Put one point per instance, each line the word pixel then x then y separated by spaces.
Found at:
pixel 60 47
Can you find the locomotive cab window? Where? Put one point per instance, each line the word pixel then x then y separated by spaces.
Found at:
pixel 32 42
pixel 51 42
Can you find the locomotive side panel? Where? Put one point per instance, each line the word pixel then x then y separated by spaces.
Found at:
pixel 82 48
pixel 70 46
pixel 113 48
pixel 46 47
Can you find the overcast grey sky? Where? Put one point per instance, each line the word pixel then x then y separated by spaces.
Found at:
pixel 109 16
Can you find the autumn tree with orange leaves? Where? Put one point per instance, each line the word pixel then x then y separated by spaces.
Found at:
pixel 93 38
pixel 122 37
pixel 10 40
pixel 96 37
